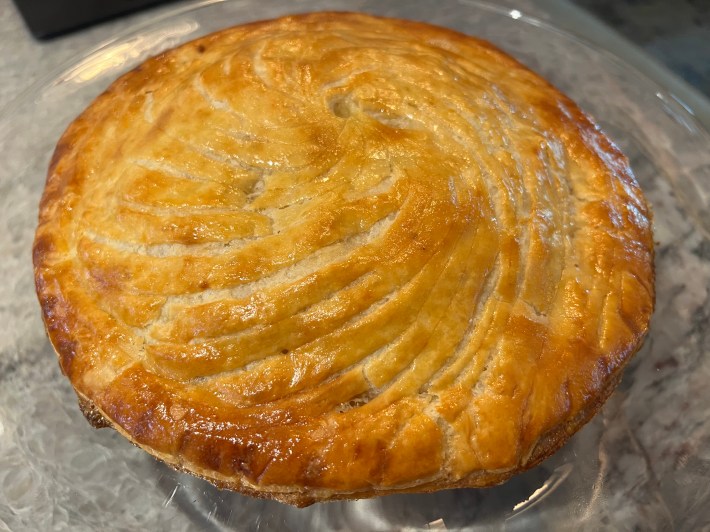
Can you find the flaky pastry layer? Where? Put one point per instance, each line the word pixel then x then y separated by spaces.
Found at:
pixel 337 256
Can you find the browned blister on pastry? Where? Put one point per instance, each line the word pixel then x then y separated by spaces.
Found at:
pixel 335 256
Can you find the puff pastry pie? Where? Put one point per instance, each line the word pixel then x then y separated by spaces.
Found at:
pixel 335 256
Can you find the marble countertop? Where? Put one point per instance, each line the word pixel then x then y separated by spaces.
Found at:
pixel 643 463
pixel 675 33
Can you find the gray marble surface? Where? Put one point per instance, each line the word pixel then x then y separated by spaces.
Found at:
pixel 24 60
pixel 677 33
pixel 642 464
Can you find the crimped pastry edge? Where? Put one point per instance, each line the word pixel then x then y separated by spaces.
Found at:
pixel 546 446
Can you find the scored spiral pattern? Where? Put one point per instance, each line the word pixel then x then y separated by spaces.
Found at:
pixel 341 254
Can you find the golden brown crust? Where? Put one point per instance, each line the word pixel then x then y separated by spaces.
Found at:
pixel 336 256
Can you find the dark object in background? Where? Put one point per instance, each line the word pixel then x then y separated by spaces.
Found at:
pixel 48 18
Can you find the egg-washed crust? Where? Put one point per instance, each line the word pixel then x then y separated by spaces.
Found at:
pixel 334 256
